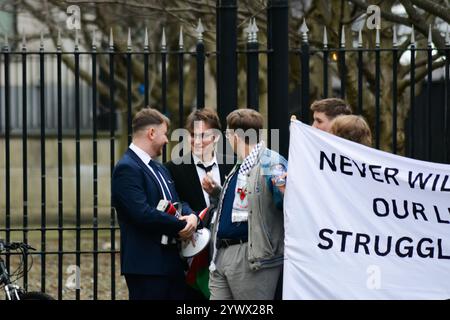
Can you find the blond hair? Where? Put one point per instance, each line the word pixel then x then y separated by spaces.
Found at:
pixel 353 128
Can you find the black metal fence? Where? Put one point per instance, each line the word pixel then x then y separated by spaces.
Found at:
pixel 425 140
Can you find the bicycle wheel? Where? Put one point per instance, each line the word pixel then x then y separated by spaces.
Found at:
pixel 35 296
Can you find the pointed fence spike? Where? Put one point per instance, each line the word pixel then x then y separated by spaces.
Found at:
pixel 325 37
pixel 181 40
pixel 163 40
pixel 377 38
pixel 129 39
pixel 430 37
pixel 394 36
pixel 41 44
pixel 111 38
pixel 24 40
pixel 200 29
pixel 6 45
pixel 94 40
pixel 76 39
pixel 360 39
pixel 255 30
pixel 249 31
pixel 304 27
pixel 304 31
pixel 413 37
pixel 58 39
pixel 146 39
pixel 343 37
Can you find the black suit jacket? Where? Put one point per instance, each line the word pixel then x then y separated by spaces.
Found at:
pixel 187 182
pixel 135 196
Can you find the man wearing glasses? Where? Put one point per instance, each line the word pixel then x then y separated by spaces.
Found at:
pixel 204 130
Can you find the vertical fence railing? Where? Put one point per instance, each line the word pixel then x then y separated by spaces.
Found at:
pixel 129 87
pixel 428 106
pixel 226 46
pixel 277 72
pixel 164 81
pixel 181 78
pixel 412 97
pixel 252 66
pixel 447 95
pixel 43 162
pixel 200 67
pixel 360 72
pixel 277 112
pixel 60 170
pixel 94 168
pixel 77 162
pixel 146 71
pixel 7 148
pixel 326 55
pixel 342 66
pixel 24 158
pixel 377 90
pixel 112 160
pixel 304 57
pixel 417 144
pixel 43 77
pixel 394 89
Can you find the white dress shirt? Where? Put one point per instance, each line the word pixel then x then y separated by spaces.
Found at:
pixel 145 157
pixel 215 173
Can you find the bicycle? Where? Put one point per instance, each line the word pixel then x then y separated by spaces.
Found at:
pixel 7 280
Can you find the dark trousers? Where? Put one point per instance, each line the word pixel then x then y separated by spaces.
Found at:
pixel 146 287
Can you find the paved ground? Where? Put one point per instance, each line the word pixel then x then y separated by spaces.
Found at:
pixel 68 271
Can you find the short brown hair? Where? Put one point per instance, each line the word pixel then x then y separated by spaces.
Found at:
pixel 207 115
pixel 332 107
pixel 147 117
pixel 353 128
pixel 242 120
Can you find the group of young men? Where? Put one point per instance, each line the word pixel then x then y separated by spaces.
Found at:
pixel 245 255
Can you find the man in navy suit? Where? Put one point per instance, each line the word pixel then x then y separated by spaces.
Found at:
pixel 150 259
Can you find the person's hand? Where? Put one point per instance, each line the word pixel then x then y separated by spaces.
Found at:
pixel 208 184
pixel 283 187
pixel 191 226
pixel 185 243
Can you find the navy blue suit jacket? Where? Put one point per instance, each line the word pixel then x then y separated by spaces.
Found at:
pixel 135 196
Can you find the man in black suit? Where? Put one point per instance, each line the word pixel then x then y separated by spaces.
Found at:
pixel 150 259
pixel 188 171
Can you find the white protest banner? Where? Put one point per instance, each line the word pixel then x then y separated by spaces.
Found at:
pixel 362 223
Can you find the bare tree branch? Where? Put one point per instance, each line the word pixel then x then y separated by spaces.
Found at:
pixel 434 8
pixel 420 75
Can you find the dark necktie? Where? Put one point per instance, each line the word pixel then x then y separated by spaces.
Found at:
pixel 208 168
pixel 159 176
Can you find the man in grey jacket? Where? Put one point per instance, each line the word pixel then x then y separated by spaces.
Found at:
pixel 248 231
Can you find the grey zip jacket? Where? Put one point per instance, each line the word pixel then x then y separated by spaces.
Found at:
pixel 265 216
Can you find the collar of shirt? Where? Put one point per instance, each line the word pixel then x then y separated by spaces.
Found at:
pixel 144 156
pixel 197 160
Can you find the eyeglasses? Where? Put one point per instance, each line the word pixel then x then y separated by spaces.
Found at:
pixel 202 136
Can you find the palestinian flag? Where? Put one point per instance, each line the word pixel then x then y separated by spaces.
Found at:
pixel 198 274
